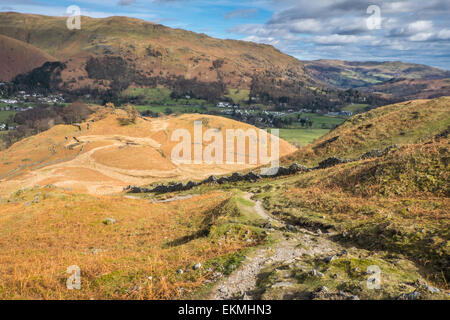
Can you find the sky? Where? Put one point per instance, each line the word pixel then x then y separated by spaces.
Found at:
pixel 415 31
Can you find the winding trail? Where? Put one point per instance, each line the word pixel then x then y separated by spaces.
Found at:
pixel 242 283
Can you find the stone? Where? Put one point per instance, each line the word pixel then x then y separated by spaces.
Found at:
pixel 180 271
pixel 197 266
pixel 330 258
pixel 432 289
pixel 109 221
pixel 291 227
pixel 410 296
pixel 316 273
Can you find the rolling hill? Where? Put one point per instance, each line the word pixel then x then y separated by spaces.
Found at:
pixel 352 74
pixel 102 156
pixel 144 52
pixel 411 89
pixel 17 57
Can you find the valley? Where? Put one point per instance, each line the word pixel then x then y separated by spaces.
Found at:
pixel 142 162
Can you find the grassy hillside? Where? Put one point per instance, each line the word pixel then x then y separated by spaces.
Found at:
pixel 18 57
pixel 292 236
pixel 148 50
pixel 125 248
pixel 402 123
pixel 105 154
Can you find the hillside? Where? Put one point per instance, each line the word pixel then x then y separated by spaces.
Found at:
pixel 410 89
pixel 103 156
pixel 119 51
pixel 18 57
pixel 318 234
pixel 407 122
pixel 352 74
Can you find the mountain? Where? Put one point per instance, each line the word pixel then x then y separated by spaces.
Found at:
pixel 119 52
pixel 18 57
pixel 102 155
pixel 352 74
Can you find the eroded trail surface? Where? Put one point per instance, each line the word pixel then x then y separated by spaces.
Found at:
pixel 242 284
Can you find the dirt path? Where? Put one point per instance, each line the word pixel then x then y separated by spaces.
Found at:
pixel 242 283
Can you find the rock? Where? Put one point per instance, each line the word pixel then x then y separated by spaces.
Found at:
pixel 295 167
pixel 318 231
pixel 330 258
pixel 235 177
pixel 180 271
pixel 290 227
pixel 27 204
pixel 109 221
pixel 432 289
pixel 410 296
pixel 223 289
pixel 331 162
pixel 316 273
pixel 36 199
pixel 211 179
pixel 282 285
pixel 252 177
pixel 197 266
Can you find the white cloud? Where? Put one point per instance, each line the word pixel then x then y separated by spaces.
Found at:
pixel 341 39
pixel 420 26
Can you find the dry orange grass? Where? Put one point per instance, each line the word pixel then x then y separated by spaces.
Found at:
pixel 113 156
pixel 38 242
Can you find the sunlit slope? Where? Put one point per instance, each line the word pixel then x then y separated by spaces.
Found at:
pixel 148 50
pixel 18 57
pixel 403 123
pixel 105 156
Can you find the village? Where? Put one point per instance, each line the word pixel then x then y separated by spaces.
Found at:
pixel 20 102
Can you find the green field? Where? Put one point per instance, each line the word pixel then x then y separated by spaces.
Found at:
pixel 4 116
pixel 240 96
pixel 302 137
pixel 319 121
pixel 356 108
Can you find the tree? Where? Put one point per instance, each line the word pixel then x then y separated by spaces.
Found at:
pixel 75 112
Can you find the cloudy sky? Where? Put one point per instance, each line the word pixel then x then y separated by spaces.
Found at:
pixel 407 30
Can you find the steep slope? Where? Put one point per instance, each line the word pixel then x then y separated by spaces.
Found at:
pixel 407 122
pixel 18 57
pixel 104 156
pixel 351 74
pixel 145 52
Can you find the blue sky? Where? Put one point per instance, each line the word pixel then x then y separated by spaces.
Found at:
pixel 407 30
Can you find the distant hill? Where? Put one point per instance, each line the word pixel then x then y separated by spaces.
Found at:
pixel 352 74
pixel 402 123
pixel 117 52
pixel 410 89
pixel 18 57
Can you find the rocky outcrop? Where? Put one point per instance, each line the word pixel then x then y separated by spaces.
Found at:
pixel 332 161
pixel 377 153
pixel 253 176
pixel 235 177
